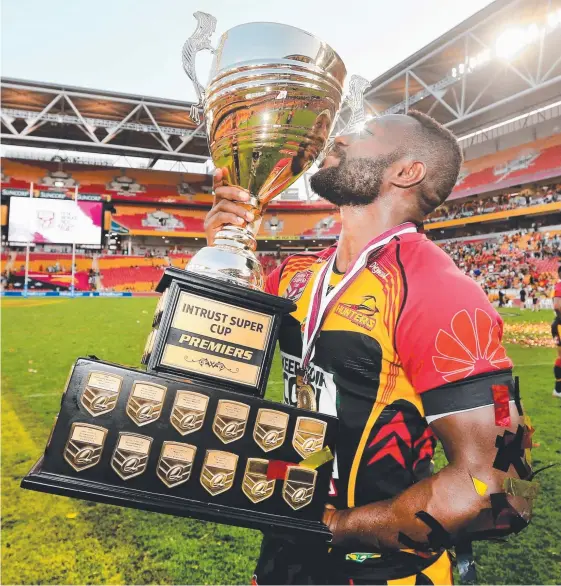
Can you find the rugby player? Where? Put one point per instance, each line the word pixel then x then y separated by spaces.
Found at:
pixel 392 338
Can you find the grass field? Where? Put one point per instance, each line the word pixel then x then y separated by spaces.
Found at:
pixel 54 540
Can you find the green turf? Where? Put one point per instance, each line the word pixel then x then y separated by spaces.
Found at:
pixel 55 540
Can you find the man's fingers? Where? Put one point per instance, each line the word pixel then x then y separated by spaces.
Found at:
pixel 231 193
pixel 220 218
pixel 225 205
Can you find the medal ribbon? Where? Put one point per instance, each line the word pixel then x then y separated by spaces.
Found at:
pixel 323 302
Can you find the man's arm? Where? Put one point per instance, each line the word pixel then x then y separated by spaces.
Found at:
pixel 449 497
pixel 449 342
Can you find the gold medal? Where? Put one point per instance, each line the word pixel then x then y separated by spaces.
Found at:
pixel 305 394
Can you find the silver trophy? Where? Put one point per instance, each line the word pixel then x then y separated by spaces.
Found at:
pixel 270 105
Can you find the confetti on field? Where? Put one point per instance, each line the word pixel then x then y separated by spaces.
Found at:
pixel 536 335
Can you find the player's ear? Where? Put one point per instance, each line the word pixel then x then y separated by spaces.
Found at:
pixel 408 174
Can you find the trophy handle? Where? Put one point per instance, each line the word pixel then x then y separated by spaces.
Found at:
pixel 198 41
pixel 355 101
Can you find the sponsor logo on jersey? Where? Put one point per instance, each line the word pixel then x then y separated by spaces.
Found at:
pixel 297 285
pixel 361 314
pixel 377 270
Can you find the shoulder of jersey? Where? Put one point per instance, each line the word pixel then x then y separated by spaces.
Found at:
pixel 421 256
pixel 303 260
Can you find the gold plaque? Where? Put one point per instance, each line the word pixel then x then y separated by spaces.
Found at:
pixel 84 446
pixel 255 485
pixel 298 487
pixel 175 463
pixel 217 339
pixel 218 471
pixel 145 402
pixel 149 346
pixel 308 436
pixel 230 420
pixel 270 429
pixel 160 308
pixel 101 392
pixel 130 457
pixel 188 412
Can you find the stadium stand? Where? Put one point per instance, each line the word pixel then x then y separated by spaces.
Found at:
pixel 149 220
pixel 528 163
pixel 138 185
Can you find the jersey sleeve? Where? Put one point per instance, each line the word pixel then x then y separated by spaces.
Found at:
pixel 449 340
pixel 273 280
pixel 557 292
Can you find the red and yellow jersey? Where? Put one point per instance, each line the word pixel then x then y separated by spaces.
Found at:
pixel 557 290
pixel 409 323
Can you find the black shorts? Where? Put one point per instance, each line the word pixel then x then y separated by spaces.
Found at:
pixel 556 331
pixel 287 561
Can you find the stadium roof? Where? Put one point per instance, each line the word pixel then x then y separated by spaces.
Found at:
pixel 502 61
pixel 61 116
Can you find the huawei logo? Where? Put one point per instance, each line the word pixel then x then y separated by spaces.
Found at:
pixel 472 344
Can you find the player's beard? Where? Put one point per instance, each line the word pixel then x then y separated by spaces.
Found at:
pixel 352 183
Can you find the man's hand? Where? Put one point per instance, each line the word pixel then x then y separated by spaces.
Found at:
pixel 330 518
pixel 228 206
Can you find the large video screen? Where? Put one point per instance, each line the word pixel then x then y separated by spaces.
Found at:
pixel 56 221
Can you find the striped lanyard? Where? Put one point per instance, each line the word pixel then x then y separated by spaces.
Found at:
pixel 323 300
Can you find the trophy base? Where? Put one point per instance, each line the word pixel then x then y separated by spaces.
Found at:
pixel 39 480
pixel 214 331
pixel 227 262
pixel 129 438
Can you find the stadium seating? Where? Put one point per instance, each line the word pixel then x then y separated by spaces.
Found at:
pixel 38 262
pixel 530 162
pixel 140 185
pixel 143 220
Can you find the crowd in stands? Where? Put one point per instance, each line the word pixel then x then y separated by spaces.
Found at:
pixel 524 262
pixel 528 197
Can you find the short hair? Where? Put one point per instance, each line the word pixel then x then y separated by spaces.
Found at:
pixel 442 155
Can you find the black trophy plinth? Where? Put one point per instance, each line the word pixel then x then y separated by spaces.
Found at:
pixel 135 439
pixel 212 331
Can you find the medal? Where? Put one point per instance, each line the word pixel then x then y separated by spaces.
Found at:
pixel 305 394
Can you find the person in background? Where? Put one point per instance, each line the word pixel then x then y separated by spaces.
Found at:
pixel 556 333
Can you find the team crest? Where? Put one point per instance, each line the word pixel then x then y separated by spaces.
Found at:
pixel 361 314
pixel 297 285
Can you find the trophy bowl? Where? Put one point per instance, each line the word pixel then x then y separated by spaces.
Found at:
pixel 271 102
